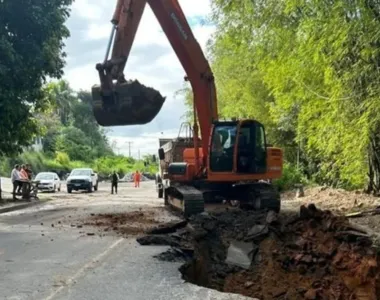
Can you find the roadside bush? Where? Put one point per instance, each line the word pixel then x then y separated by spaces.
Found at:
pixel 291 175
pixel 62 164
pixel 62 158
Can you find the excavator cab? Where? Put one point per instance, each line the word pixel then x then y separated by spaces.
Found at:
pixel 238 145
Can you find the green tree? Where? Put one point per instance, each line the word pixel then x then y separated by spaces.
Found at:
pixel 31 43
pixel 75 143
pixel 83 118
pixel 62 98
pixel 73 110
pixel 310 69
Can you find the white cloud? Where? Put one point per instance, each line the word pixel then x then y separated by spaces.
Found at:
pixel 87 10
pixel 151 61
pixel 142 145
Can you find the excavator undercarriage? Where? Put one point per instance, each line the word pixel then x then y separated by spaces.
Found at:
pixel 190 200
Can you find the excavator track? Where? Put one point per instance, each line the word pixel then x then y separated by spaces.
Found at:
pixel 186 199
pixel 263 195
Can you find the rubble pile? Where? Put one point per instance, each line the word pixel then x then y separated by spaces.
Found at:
pixel 129 177
pixel 312 255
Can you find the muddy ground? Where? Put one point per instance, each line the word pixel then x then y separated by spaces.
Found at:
pixel 310 253
pixel 313 253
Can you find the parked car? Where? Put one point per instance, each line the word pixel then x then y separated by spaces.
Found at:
pixel 49 181
pixel 82 179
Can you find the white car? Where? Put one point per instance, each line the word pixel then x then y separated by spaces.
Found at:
pixel 82 179
pixel 49 181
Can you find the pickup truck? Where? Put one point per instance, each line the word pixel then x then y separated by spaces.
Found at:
pixel 82 179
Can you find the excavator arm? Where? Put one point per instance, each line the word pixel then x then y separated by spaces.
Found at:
pixel 125 21
pixel 169 14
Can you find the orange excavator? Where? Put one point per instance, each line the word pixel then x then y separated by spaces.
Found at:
pixel 230 161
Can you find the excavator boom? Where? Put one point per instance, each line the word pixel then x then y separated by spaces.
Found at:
pixel 125 22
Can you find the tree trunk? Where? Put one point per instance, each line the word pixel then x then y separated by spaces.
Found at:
pixel 374 165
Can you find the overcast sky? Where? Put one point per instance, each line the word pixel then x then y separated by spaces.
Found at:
pixel 152 61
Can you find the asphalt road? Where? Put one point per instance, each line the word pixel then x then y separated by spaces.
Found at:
pixel 43 255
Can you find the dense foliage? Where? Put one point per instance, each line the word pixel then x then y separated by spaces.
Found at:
pixel 71 138
pixel 31 43
pixel 75 130
pixel 62 164
pixel 309 71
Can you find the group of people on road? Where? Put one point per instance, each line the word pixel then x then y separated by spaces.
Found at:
pixel 19 175
pixel 115 180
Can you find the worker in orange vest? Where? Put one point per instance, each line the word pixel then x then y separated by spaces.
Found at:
pixel 137 178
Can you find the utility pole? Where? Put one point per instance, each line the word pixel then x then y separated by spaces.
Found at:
pixel 139 154
pixel 129 148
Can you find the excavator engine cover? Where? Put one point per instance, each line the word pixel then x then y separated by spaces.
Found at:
pixel 129 103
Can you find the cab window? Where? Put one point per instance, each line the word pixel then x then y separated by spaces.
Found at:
pixel 251 148
pixel 222 148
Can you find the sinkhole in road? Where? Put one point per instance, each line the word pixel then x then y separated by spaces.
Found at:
pixel 310 255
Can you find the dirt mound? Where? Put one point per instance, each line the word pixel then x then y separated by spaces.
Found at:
pixel 130 223
pixel 129 177
pixel 314 255
pixel 337 200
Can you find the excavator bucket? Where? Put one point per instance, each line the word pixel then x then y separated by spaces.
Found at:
pixel 129 103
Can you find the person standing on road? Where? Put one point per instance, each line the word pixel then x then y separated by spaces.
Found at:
pixel 114 181
pixel 23 173
pixel 29 171
pixel 24 178
pixel 137 178
pixel 15 177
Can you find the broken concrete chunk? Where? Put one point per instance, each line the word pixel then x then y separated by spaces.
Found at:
pixel 256 231
pixel 163 240
pixel 271 217
pixel 174 255
pixel 240 254
pixel 168 227
pixel 350 236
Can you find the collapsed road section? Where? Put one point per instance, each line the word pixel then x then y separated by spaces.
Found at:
pixel 313 255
